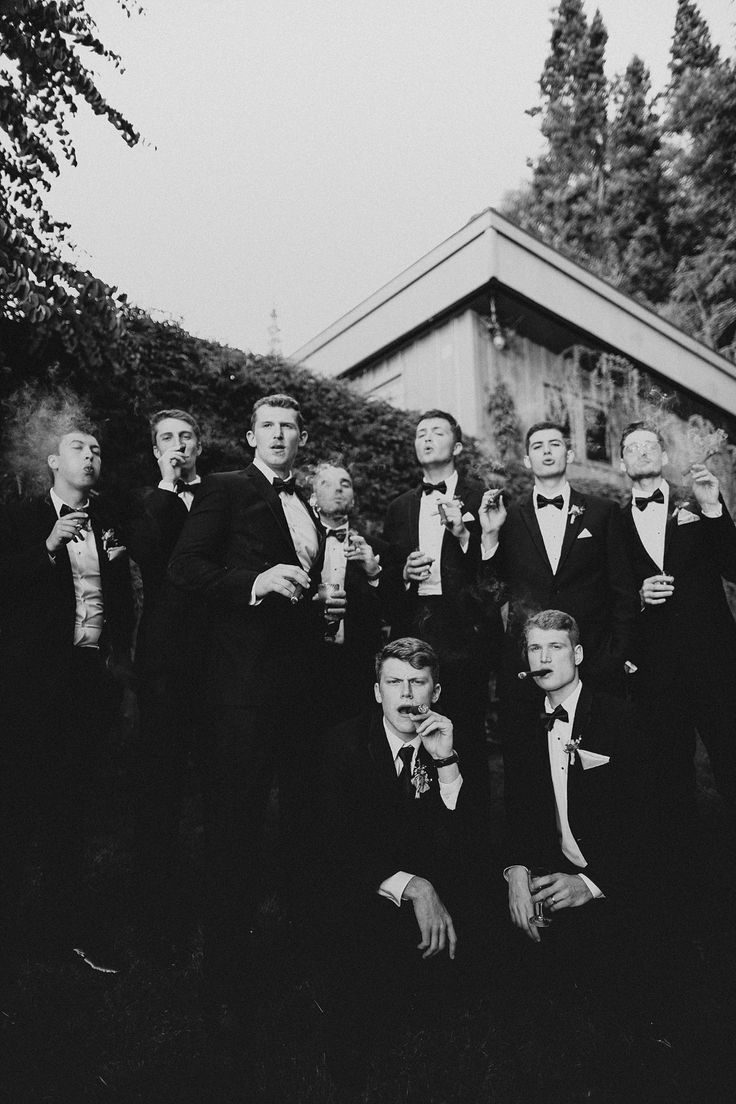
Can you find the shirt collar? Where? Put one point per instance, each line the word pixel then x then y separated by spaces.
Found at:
pixel 59 502
pixel 264 469
pixel 396 743
pixel 565 492
pixel 570 703
pixel 662 486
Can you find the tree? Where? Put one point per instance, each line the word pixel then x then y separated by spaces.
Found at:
pixel 691 44
pixel 43 80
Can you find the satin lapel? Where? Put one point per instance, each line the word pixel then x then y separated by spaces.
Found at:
pixel 414 502
pixel 573 526
pixel 380 752
pixel 48 518
pixel 676 495
pixel 579 729
pixel 273 501
pixel 526 509
pixel 321 534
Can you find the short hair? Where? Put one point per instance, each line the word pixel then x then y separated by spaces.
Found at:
pixel 336 461
pixel 284 401
pixel 161 415
pixel 417 653
pixel 556 621
pixel 454 424
pixel 545 425
pixel 647 426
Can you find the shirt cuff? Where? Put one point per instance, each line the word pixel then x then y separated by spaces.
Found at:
pixel 164 485
pixel 486 555
pixel 713 511
pixel 464 541
pixel 450 790
pixel 592 886
pixel 393 887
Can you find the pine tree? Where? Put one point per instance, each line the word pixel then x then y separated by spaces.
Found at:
pixel 691 44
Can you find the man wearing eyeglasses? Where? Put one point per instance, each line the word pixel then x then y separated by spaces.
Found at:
pixel 682 544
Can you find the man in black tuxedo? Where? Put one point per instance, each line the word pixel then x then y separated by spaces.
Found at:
pixel 435 593
pixel 65 658
pixel 398 853
pixel 170 653
pixel 351 566
pixel 683 545
pixel 558 548
pixel 251 550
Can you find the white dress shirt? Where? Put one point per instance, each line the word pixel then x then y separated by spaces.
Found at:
pixel 302 528
pixel 650 523
pixel 431 532
pixel 85 564
pixel 334 567
pixel 552 523
pixel 187 497
pixel 559 761
pixel 394 886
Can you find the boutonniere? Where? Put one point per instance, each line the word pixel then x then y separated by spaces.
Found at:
pixel 111 544
pixel 420 780
pixel 572 746
pixel 576 511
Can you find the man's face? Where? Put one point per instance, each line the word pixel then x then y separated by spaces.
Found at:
pixel 333 492
pixel 552 649
pixel 276 437
pixel 435 442
pixel 177 435
pixel 642 455
pixel 401 689
pixel 77 462
pixel 547 454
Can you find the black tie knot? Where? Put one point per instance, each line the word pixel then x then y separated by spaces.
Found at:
pixel 441 487
pixel 559 713
pixel 338 534
pixel 180 486
pixel 288 486
pixel 558 501
pixel 655 496
pixel 64 510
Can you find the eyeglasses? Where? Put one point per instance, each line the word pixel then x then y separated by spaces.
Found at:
pixel 647 449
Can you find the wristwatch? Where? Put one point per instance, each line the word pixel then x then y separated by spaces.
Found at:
pixel 452 758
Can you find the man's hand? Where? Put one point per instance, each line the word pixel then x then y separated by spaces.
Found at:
pixel 521 906
pixel 656 589
pixel 334 599
pixel 169 464
pixel 560 891
pixel 358 549
pixel 435 922
pixel 286 579
pixel 491 515
pixel 67 529
pixel 452 509
pixel 416 568
pixel 705 485
pixel 435 732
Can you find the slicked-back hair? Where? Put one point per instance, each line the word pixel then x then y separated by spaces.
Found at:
pixel 184 416
pixel 457 432
pixel 545 425
pixel 647 427
pixel 553 620
pixel 336 461
pixel 417 653
pixel 284 401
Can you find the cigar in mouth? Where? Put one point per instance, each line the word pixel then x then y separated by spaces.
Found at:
pixel 409 709
pixel 535 674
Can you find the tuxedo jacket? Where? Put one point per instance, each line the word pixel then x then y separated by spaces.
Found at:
pixel 153 525
pixel 692 633
pixel 368 833
pixel 606 804
pixel 593 582
pixel 236 529
pixel 38 602
pixel 477 615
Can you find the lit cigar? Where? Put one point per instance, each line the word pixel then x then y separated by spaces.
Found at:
pixel 535 674
pixel 494 493
pixel 298 591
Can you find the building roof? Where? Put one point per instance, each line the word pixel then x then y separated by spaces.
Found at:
pixel 491 248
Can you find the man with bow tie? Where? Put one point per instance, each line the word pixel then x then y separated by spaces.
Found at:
pixel 558 548
pixel 397 856
pixel 683 545
pixel 434 593
pixel 169 676
pixel 65 659
pixel 572 782
pixel 351 568
pixel 251 550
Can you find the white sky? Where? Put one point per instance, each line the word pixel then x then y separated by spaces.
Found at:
pixel 300 154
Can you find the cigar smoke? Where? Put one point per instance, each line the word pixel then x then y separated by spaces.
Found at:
pixel 37 421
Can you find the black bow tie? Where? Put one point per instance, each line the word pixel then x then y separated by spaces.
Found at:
pixel 655 496
pixel 180 486
pixel 427 488
pixel 73 510
pixel 557 714
pixel 557 501
pixel 338 534
pixel 288 486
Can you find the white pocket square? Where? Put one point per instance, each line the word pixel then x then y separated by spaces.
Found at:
pixel 590 759
pixel 684 517
pixel 584 533
pixel 113 553
pixel 467 516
